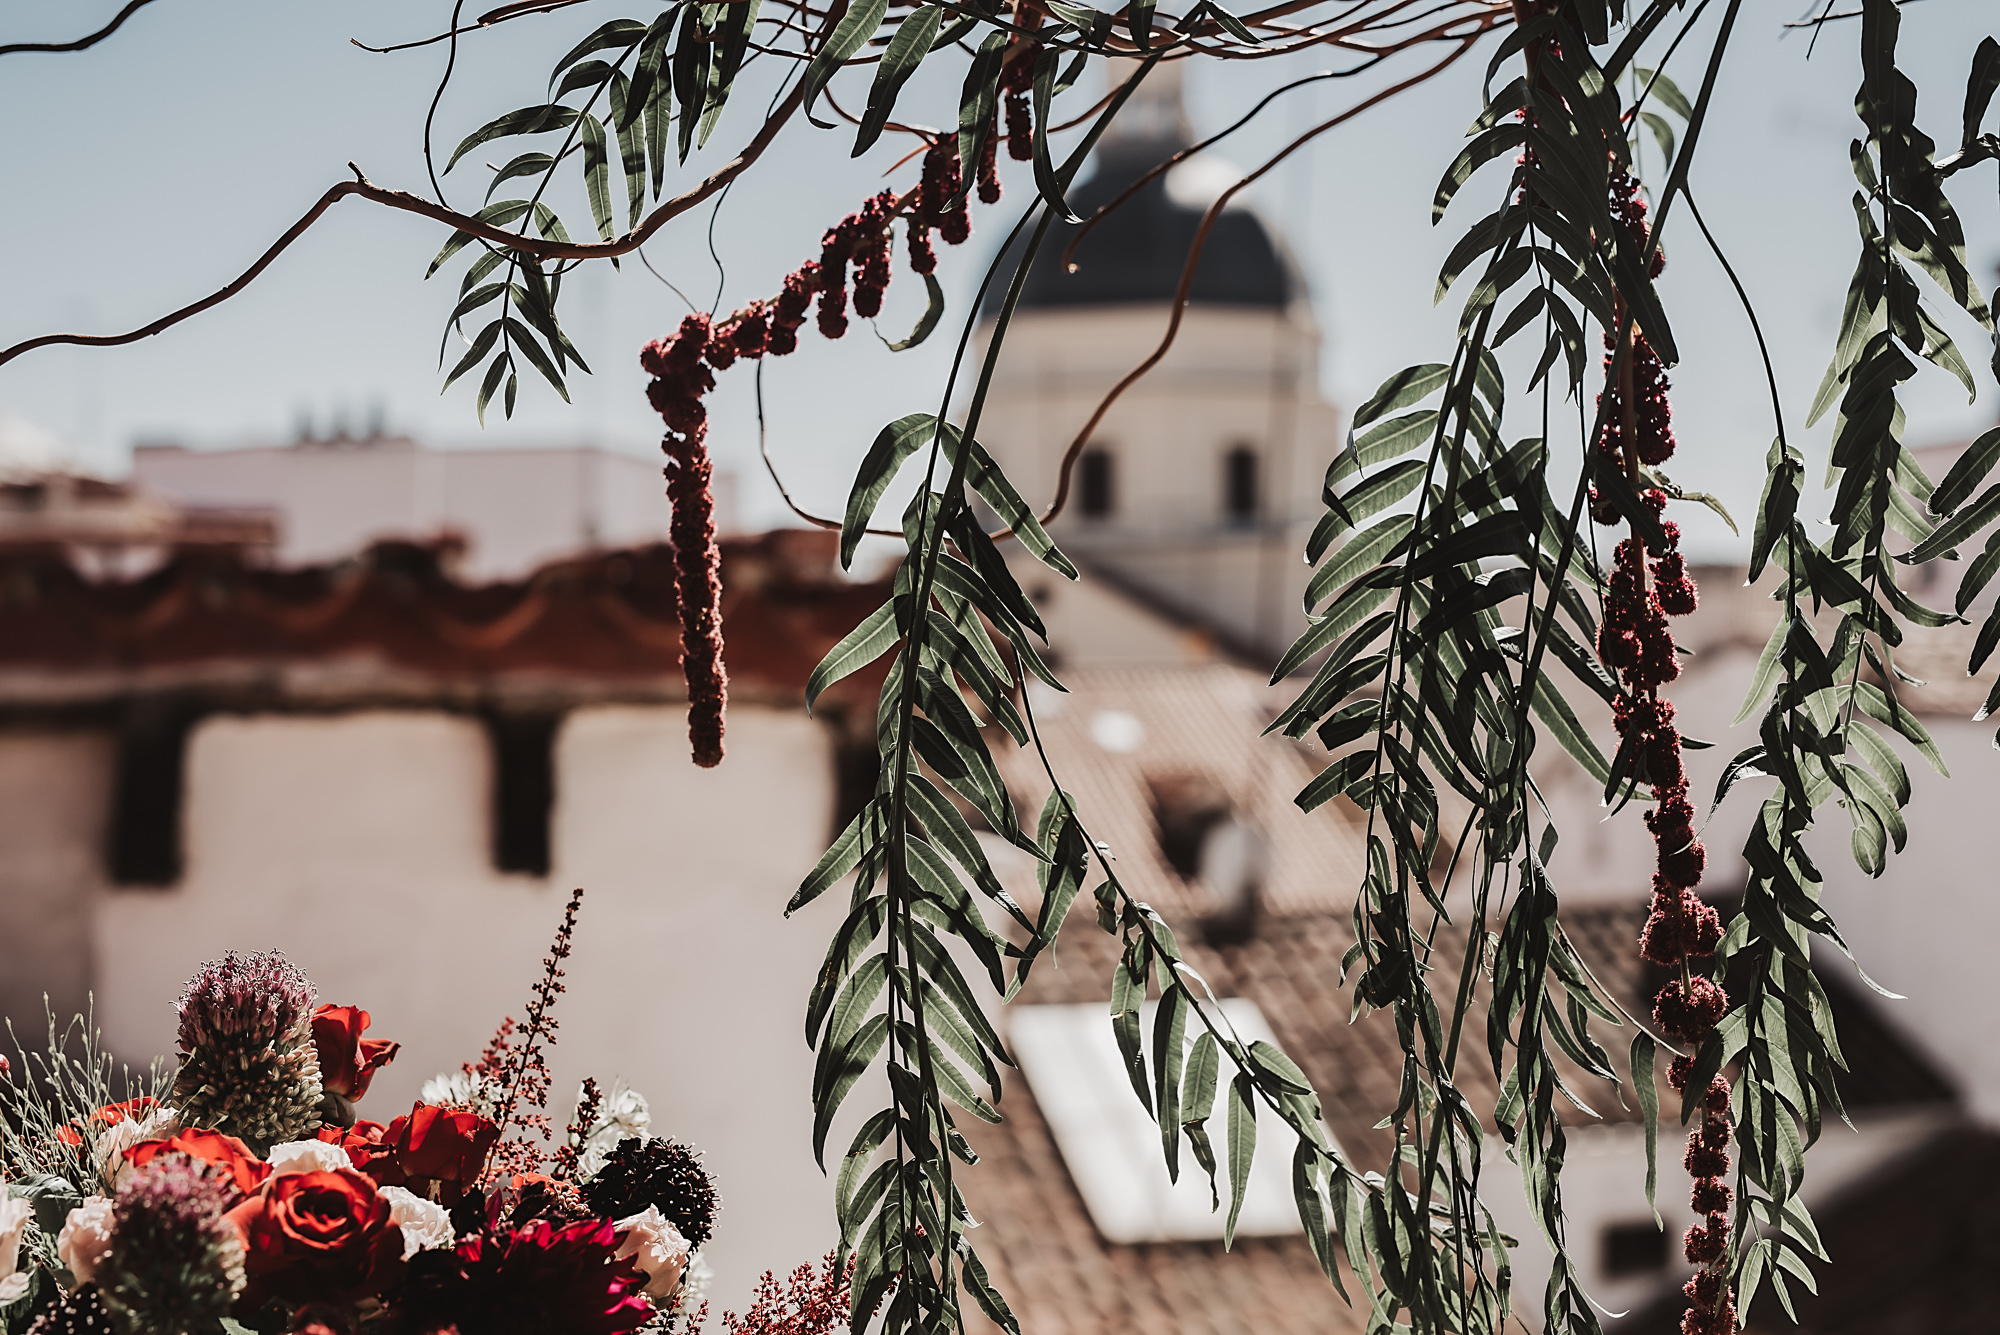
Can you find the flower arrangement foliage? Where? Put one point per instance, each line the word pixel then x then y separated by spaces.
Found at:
pixel 131 1216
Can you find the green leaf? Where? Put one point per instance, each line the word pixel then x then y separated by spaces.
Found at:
pixel 906 51
pixel 528 120
pixel 523 341
pixel 1242 1148
pixel 893 444
pixel 481 344
pixel 991 485
pixel 1980 85
pixel 1555 713
pixel 862 833
pixel 1649 1104
pixel 1410 385
pixel 856 650
pixel 948 830
pixel 847 1067
pixel 977 99
pixel 859 24
pixel 1966 473
pixel 1169 1052
pixel 597 176
pixel 927 322
pixel 500 214
pixel 981 1288
pixel 1486 146
pixel 1380 542
pixel 1956 529
pixel 1655 83
pixel 617 35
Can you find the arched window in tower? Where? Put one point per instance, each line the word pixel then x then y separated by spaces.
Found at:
pixel 1094 483
pixel 1239 485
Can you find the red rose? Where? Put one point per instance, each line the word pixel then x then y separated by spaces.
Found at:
pixel 228 1153
pixel 347 1061
pixel 443 1145
pixel 322 1237
pixel 434 1151
pixel 363 1142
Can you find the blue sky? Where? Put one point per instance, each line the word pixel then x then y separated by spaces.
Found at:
pixel 152 168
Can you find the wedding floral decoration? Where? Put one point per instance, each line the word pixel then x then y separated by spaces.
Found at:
pixel 242 1193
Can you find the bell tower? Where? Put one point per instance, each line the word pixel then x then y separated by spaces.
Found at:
pixel 1197 489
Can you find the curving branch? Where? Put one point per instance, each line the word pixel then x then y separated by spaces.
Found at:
pixel 541 247
pixel 81 43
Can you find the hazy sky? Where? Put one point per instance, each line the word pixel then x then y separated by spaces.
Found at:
pixel 152 168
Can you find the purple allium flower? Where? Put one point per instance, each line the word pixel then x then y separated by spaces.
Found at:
pixel 175 1262
pixel 242 1000
pixel 248 1063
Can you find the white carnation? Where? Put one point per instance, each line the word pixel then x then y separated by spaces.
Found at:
pixel 662 1253
pixel 307 1156
pixel 453 1087
pixel 15 1215
pixel 426 1225
pixel 694 1285
pixel 622 1115
pixel 85 1239
pixel 108 1146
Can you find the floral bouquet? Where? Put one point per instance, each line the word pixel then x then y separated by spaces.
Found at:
pixel 243 1193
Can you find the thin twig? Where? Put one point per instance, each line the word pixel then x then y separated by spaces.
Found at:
pixel 541 247
pixel 81 43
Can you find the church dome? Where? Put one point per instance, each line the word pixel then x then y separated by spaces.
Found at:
pixel 1136 253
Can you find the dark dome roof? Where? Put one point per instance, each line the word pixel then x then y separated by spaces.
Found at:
pixel 1135 255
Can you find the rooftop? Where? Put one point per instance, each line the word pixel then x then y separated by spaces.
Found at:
pixel 395 612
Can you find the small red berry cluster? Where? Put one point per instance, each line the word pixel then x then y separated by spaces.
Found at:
pixel 683 368
pixel 1635 642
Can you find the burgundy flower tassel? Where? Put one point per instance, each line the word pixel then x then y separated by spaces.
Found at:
pixel 679 382
pixel 683 369
pixel 1635 643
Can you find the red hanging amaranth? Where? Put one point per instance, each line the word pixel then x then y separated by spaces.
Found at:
pixel 1017 76
pixel 683 369
pixel 679 382
pixel 1635 643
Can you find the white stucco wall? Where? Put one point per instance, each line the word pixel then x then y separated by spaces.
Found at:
pixel 55 789
pixel 359 845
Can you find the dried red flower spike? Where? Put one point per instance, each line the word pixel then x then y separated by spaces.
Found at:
pixel 680 379
pixel 1017 76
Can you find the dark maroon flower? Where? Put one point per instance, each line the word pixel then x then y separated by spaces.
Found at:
pixel 1691 1009
pixel 1701 1161
pixel 1017 76
pixel 1705 1242
pixel 535 1279
pixel 1711 1195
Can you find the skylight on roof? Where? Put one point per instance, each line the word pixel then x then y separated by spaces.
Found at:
pixel 1112 1148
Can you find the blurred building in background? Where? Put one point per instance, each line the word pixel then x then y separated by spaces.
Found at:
pixel 512 509
pixel 1196 492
